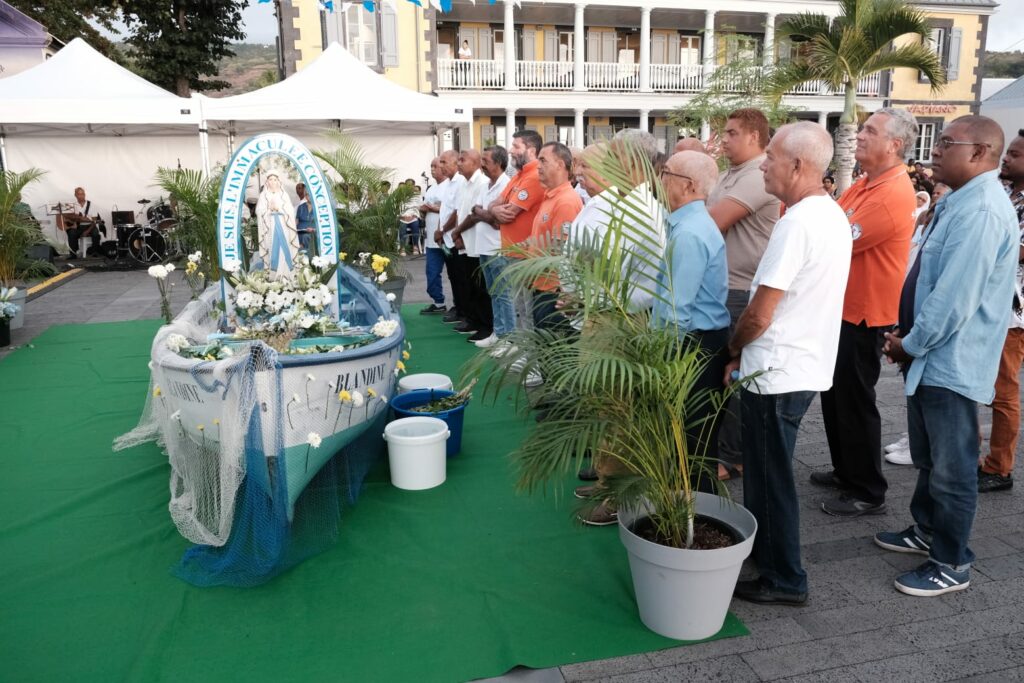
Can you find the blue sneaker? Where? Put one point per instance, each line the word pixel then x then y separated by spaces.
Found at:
pixel 903 542
pixel 931 579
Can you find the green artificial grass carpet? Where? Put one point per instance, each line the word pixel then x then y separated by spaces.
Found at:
pixel 463 581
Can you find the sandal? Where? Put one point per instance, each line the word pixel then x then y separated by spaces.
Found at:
pixel 727 471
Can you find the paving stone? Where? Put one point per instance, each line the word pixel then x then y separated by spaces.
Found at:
pixel 521 674
pixel 1002 676
pixel 949 631
pixel 827 653
pixel 728 669
pixel 896 609
pixel 944 664
pixel 763 634
pixel 842 675
pixel 1005 567
pixel 587 671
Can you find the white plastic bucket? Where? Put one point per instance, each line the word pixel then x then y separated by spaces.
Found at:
pixel 416 452
pixel 424 380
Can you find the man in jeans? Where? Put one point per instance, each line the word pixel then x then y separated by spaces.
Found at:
pixel 996 473
pixel 494 162
pixel 789 334
pixel 952 327
pixel 431 208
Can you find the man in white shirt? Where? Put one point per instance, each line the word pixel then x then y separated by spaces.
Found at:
pixel 449 208
pixel 81 223
pixel 431 208
pixel 488 242
pixel 479 323
pixel 790 333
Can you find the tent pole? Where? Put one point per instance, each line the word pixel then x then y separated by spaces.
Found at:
pixel 204 147
pixel 3 152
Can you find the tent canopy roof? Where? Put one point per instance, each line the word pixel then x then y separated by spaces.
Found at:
pixel 337 87
pixel 78 85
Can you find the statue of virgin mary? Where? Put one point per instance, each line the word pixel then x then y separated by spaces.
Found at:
pixel 279 242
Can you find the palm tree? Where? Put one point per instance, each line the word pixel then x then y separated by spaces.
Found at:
pixel 196 196
pixel 840 52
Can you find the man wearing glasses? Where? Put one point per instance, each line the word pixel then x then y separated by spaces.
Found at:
pixel 952 324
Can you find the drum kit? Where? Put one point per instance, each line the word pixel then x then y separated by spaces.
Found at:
pixel 145 243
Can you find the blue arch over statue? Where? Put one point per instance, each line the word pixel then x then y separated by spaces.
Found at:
pixel 231 208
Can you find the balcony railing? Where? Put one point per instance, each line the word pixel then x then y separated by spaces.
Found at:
pixel 544 75
pixel 489 74
pixel 613 76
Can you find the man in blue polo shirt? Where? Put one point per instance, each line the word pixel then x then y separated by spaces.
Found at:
pixel 693 283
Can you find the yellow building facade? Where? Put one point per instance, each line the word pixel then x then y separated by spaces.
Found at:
pixel 959 32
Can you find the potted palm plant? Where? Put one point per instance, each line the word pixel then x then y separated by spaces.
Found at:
pixel 623 390
pixel 369 214
pixel 19 232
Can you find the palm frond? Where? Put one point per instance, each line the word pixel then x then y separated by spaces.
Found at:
pixel 912 56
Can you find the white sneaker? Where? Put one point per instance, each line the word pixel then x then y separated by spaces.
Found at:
pixel 488 342
pixel 533 379
pixel 899 457
pixel 503 347
pixel 901 445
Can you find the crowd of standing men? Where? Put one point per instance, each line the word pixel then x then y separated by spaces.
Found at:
pixel 777 279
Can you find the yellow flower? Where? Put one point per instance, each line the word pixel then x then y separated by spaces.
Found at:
pixel 405 355
pixel 191 268
pixel 342 256
pixel 200 427
pixel 216 421
pixel 157 393
pixel 370 392
pixel 343 396
pixel 401 366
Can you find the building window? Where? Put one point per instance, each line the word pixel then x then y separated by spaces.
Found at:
pixel 361 34
pixel 925 141
pixel 945 41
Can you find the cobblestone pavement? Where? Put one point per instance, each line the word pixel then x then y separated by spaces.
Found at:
pixel 856 627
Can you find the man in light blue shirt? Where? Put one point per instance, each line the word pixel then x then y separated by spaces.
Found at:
pixel 693 282
pixel 950 338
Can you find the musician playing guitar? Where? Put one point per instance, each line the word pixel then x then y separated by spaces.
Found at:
pixel 80 223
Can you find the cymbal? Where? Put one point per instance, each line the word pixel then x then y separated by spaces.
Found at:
pixel 144 201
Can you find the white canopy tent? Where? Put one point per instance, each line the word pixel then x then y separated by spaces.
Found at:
pixel 1007 107
pixel 89 122
pixel 396 126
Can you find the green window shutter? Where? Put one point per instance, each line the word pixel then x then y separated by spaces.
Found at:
pixel 953 58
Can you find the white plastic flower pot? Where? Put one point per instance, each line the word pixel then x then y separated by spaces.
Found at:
pixel 18 321
pixel 416 452
pixel 424 380
pixel 685 594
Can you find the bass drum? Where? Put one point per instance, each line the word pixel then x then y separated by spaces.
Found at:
pixel 147 246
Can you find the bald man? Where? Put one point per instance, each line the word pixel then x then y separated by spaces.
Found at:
pixel 689 145
pixel 788 335
pixel 952 324
pixel 693 283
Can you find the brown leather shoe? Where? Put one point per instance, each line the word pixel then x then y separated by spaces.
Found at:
pixel 602 515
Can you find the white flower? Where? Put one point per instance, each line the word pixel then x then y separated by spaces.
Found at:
pixel 310 377
pixel 385 328
pixel 384 399
pixel 314 440
pixel 159 272
pixel 150 365
pixel 307 321
pixel 232 265
pixel 321 262
pixel 363 255
pixel 176 342
pixel 382 278
pixel 391 296
pixel 169 267
pixel 312 298
pixel 325 294
pixel 226 352
pixel 195 258
pixel 357 399
pixel 176 415
pixel 296 399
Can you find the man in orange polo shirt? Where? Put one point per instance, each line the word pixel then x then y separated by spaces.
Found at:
pixel 880 208
pixel 515 210
pixel 551 224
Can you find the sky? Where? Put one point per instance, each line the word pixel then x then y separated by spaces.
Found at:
pixel 1004 26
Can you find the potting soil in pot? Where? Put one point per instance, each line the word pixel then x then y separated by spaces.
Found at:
pixel 708 533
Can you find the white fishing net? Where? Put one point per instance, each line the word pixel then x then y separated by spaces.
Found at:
pixel 197 411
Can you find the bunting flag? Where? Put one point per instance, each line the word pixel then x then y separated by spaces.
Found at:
pixel 325 5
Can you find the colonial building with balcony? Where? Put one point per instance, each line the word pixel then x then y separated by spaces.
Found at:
pixel 579 71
